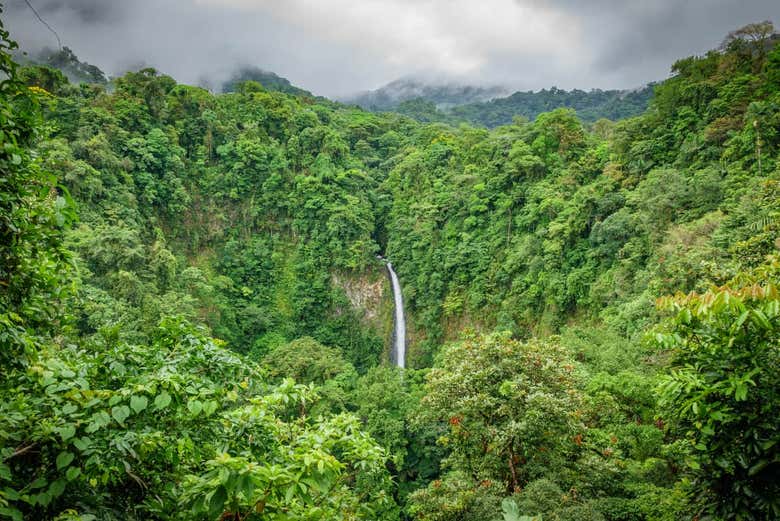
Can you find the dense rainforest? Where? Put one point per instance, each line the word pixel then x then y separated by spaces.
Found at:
pixel 194 322
pixel 489 107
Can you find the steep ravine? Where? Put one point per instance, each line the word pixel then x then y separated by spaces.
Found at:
pixel 380 310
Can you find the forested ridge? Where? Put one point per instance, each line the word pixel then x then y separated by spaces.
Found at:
pixel 589 106
pixel 193 323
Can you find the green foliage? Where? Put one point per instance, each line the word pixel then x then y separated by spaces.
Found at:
pixel 307 361
pixel 33 213
pixel 49 79
pixel 511 408
pixel 456 105
pixel 387 400
pixel 539 496
pixel 266 79
pixel 181 422
pixel 511 512
pixel 532 224
pixel 455 497
pixel 104 415
pixel 67 62
pixel 590 106
pixel 247 215
pixel 722 391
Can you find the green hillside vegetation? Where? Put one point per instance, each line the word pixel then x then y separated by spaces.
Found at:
pixel 589 106
pixel 594 317
pixel 388 97
pixel 65 61
pixel 267 79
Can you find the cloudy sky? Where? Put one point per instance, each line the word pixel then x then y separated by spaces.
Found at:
pixel 337 47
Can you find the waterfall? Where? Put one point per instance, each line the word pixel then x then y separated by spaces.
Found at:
pixel 399 333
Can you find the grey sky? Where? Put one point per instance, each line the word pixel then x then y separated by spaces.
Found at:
pixel 336 47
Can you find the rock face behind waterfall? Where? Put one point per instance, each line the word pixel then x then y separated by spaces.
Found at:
pixel 376 302
pixel 369 293
pixel 364 293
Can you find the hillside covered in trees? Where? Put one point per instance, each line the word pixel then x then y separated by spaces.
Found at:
pixel 194 322
pixel 489 107
pixel 267 79
pixel 388 97
pixel 589 106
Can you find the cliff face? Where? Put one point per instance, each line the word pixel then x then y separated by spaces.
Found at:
pixel 369 295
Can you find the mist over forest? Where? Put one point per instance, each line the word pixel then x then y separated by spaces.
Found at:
pixel 338 48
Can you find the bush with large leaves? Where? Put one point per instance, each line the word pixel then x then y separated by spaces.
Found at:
pixel 723 391
pixel 32 215
pixel 180 429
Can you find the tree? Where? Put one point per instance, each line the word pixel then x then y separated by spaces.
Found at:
pixel 306 361
pixel 309 362
pixel 33 214
pixel 757 35
pixel 723 391
pixel 77 71
pixel 387 401
pixel 122 431
pixel 510 407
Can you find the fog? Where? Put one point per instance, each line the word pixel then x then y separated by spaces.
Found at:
pixel 337 47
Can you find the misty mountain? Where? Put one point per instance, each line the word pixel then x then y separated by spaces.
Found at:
pixel 66 61
pixel 590 105
pixel 269 81
pixel 492 107
pixel 442 96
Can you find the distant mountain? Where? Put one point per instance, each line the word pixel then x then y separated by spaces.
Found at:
pixel 442 96
pixel 68 63
pixel 267 79
pixel 590 105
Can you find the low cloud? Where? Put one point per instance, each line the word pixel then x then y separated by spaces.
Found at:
pixel 335 47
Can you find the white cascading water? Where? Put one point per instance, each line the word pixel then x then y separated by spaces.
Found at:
pixel 399 336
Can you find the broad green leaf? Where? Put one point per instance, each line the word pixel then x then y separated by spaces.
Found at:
pixel 290 492
pixel 120 413
pixel 758 467
pixel 72 473
pixel 81 443
pixel 67 432
pixel 13 513
pixel 217 501
pixel 138 403
pixel 162 400
pixel 195 407
pixel 38 483
pixel 210 407
pixel 57 488
pixel 98 420
pixel 64 459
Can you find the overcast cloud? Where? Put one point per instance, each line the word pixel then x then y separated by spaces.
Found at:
pixel 337 47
